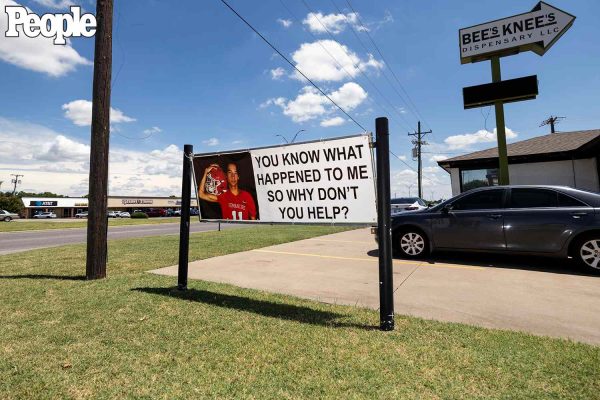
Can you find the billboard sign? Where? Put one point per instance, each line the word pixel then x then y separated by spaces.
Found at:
pixel 328 181
pixel 535 31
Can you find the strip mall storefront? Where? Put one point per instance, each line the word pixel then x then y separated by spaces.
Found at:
pixel 68 207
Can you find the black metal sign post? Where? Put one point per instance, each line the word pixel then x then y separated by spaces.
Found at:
pixel 384 226
pixel 184 227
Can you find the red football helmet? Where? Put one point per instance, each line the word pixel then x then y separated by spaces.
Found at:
pixel 216 181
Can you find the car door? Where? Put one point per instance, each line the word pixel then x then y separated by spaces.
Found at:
pixel 542 220
pixel 474 221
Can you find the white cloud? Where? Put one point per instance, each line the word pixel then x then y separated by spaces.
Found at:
pixel 278 101
pixel 311 104
pixel 62 148
pixel 211 142
pixel 334 23
pixel 467 140
pixel 80 113
pixel 38 54
pixel 437 157
pixel 286 23
pixel 349 96
pixel 277 73
pixel 335 121
pixel 152 131
pixel 52 161
pixel 56 4
pixel 318 65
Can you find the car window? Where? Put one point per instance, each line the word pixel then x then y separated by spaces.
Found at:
pixel 484 200
pixel 533 198
pixel 568 201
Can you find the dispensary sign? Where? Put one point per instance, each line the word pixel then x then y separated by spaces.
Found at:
pixel 329 181
pixel 533 31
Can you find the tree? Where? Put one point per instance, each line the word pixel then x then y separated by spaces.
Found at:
pixel 11 203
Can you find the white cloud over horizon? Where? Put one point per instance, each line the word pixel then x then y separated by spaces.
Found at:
pixel 37 54
pixel 55 162
pixel 468 140
pixel 80 113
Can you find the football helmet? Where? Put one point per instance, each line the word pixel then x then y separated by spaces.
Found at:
pixel 216 181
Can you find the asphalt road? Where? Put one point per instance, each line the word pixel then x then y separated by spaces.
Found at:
pixel 13 242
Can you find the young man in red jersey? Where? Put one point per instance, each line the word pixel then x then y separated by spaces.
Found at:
pixel 236 204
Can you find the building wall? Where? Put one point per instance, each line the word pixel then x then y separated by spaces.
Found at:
pixel 580 174
pixel 455 181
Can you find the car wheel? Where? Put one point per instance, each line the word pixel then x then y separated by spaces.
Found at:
pixel 588 252
pixel 7 219
pixel 412 243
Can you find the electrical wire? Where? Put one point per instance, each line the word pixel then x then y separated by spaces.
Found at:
pixel 292 64
pixel 357 67
pixel 416 111
pixel 402 161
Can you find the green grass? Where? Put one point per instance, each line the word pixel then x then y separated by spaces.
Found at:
pixel 133 336
pixel 30 225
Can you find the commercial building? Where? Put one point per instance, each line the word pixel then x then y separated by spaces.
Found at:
pixel 566 158
pixel 67 207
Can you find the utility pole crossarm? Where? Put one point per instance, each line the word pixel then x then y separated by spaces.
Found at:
pixel 418 142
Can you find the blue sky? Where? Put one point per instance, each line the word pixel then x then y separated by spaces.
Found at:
pixel 191 72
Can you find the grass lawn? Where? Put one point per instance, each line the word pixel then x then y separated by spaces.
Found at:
pixel 29 225
pixel 133 336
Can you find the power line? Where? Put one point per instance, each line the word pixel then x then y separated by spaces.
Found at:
pixel 418 114
pixel 367 50
pixel 402 161
pixel 292 64
pixel 357 67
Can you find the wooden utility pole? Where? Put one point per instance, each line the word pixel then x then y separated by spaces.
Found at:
pixel 98 182
pixel 16 181
pixel 418 142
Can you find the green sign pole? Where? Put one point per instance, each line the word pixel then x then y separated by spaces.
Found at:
pixel 500 130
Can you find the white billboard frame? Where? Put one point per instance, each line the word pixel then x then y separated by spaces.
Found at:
pixel 328 222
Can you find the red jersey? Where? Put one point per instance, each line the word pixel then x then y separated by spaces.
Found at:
pixel 240 207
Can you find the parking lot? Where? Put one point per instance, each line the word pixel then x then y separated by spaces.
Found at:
pixel 536 295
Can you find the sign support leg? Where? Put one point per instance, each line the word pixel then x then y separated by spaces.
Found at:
pixel 384 228
pixel 503 178
pixel 184 227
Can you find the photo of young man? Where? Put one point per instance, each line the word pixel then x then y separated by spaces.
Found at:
pixel 236 203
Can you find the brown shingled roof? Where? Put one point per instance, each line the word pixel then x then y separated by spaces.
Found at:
pixel 553 143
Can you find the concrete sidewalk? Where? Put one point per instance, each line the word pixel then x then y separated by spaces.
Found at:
pixel 343 269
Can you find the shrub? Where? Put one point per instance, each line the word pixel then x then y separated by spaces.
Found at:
pixel 10 203
pixel 139 214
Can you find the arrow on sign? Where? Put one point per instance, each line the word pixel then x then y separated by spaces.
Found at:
pixel 534 31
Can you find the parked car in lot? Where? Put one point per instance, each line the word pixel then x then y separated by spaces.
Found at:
pixel 156 212
pixel 7 216
pixel 46 214
pixel 83 214
pixel 113 214
pixel 123 214
pixel 536 220
pixel 402 204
